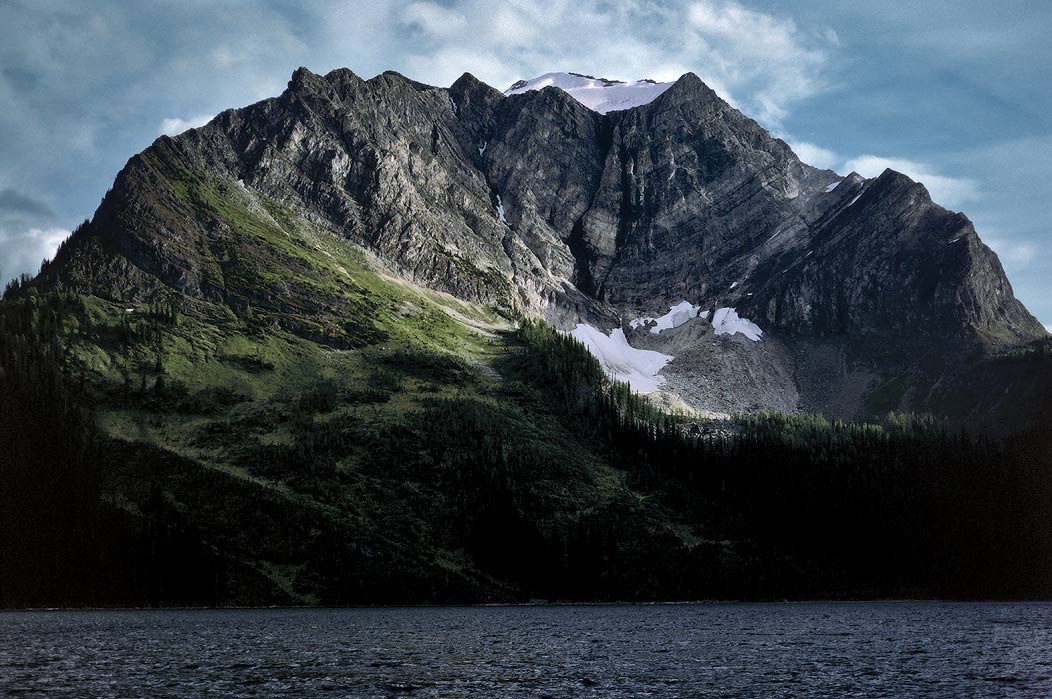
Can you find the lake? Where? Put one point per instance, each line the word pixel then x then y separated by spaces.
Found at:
pixel 883 649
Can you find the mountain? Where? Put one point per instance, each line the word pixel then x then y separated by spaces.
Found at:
pixel 870 296
pixel 355 343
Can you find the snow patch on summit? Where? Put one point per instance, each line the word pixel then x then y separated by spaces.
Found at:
pixel 598 94
pixel 677 315
pixel 621 361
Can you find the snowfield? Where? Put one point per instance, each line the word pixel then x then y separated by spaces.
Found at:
pixel 677 315
pixel 597 94
pixel 641 368
pixel 725 321
pixel 621 361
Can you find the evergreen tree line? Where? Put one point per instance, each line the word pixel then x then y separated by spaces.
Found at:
pixel 898 506
pixel 60 543
pixel 503 497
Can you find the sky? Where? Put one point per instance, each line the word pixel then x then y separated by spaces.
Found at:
pixel 955 93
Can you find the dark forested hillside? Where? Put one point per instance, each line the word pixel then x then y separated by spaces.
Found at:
pixel 900 506
pixel 144 467
pixel 60 543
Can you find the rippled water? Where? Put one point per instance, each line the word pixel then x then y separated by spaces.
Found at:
pixel 720 650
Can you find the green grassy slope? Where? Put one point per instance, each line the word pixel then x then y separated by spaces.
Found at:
pixel 334 434
pixel 409 469
pixel 306 428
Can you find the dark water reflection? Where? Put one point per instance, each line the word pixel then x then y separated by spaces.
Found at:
pixel 732 650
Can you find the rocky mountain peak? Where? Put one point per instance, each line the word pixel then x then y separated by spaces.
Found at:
pixel 579 199
pixel 303 79
pixel 689 87
pixel 469 83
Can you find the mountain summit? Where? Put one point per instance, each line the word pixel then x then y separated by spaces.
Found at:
pixel 594 205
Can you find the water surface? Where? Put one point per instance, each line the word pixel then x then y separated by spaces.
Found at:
pixel 719 650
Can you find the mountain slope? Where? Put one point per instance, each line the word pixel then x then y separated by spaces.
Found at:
pixel 310 336
pixel 534 204
pixel 237 463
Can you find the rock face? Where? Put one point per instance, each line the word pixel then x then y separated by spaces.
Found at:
pixel 534 204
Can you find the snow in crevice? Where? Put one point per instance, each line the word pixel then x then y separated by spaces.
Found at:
pixel 621 361
pixel 833 185
pixel 500 211
pixel 734 285
pixel 482 148
pixel 598 94
pixel 726 321
pixel 677 315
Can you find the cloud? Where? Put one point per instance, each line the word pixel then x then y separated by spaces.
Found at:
pixel 25 248
pixel 1048 328
pixel 815 155
pixel 947 191
pixel 433 19
pixel 29 232
pixel 760 62
pixel 173 126
pixel 1013 254
pixel 14 203
pixel 767 57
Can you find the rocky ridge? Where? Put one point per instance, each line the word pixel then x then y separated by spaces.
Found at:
pixel 534 204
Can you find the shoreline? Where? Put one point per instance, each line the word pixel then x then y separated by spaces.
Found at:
pixel 493 605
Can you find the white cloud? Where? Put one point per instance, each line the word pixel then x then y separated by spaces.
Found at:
pixel 815 155
pixel 173 126
pixel 29 231
pixel 24 250
pixel 760 62
pixel 1013 254
pixel 769 56
pixel 947 191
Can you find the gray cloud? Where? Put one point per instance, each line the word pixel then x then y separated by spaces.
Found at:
pixel 13 203
pixel 29 232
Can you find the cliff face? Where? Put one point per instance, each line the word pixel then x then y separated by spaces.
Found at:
pixel 532 203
